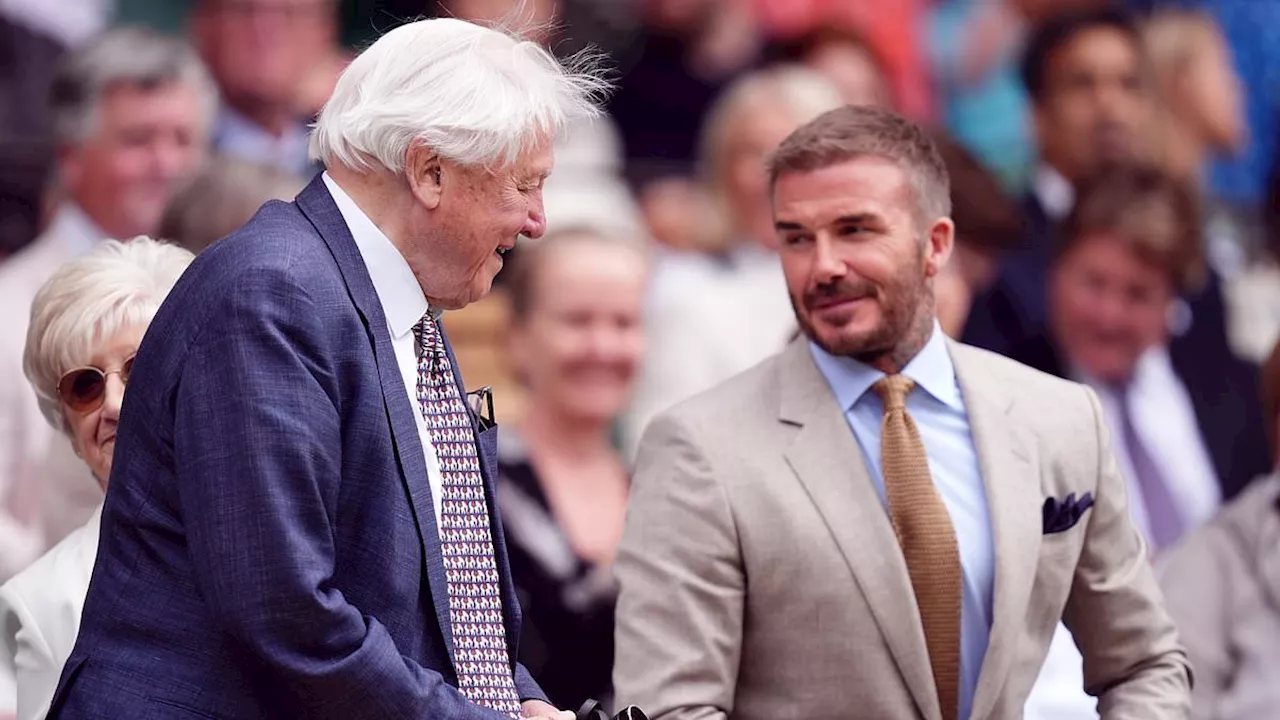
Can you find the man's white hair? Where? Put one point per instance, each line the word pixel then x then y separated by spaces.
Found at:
pixel 89 300
pixel 475 95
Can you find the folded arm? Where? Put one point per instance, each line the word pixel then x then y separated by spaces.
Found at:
pixel 258 443
pixel 1133 662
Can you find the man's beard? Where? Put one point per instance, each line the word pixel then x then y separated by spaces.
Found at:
pixel 900 306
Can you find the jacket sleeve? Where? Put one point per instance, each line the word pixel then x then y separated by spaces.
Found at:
pixel 257 447
pixel 1133 662
pixel 682 586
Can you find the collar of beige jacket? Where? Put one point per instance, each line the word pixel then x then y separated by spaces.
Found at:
pixel 825 456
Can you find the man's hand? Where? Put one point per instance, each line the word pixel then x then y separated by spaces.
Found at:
pixel 539 709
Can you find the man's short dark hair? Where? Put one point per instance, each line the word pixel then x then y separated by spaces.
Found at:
pixel 1050 35
pixel 852 132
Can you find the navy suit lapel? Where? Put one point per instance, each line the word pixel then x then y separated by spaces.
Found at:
pixel 316 203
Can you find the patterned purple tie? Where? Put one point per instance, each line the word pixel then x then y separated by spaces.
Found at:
pixel 475 601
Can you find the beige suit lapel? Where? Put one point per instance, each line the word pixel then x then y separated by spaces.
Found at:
pixel 830 465
pixel 1007 458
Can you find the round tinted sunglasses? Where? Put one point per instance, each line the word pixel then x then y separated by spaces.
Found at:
pixel 83 389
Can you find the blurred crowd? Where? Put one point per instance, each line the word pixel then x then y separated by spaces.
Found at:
pixel 1117 216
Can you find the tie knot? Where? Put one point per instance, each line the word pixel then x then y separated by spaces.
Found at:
pixel 893 390
pixel 427 333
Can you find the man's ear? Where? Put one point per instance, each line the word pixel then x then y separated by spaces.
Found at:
pixel 425 173
pixel 941 240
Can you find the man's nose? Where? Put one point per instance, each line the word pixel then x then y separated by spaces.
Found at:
pixel 535 224
pixel 826 265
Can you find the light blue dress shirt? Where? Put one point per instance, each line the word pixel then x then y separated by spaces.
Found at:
pixel 937 408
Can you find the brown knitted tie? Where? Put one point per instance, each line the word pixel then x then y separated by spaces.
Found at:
pixel 927 538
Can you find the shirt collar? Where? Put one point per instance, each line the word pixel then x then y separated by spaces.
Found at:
pixel 403 301
pixel 931 369
pixel 1054 191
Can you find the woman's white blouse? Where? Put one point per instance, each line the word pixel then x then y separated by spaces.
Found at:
pixel 39 617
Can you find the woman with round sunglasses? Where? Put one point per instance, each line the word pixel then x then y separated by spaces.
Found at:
pixel 86 324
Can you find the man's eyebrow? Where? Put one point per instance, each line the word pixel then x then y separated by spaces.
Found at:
pixel 787 225
pixel 857 219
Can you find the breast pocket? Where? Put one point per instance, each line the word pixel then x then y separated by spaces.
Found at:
pixel 487 448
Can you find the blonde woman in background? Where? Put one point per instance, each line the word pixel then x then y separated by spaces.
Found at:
pixel 576 341
pixel 87 322
pixel 714 313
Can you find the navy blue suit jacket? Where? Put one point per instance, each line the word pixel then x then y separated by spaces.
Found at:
pixel 269 547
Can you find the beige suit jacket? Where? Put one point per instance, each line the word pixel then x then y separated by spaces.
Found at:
pixel 761 578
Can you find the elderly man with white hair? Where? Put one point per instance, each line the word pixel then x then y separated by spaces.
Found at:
pixel 87 321
pixel 301 520
pixel 131 112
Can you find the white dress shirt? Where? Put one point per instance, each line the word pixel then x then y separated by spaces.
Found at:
pixel 938 410
pixel 40 612
pixel 403 303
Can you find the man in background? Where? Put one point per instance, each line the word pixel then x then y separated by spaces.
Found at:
pixel 130 114
pixel 262 54
pixel 1090 88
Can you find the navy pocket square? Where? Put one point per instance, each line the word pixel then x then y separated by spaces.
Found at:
pixel 1062 515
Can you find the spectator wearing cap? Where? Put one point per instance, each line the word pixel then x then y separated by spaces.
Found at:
pixel 131 112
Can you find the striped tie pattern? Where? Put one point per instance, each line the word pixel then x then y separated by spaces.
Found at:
pixel 475 600
pixel 926 535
